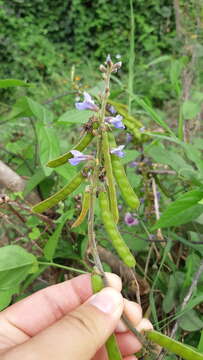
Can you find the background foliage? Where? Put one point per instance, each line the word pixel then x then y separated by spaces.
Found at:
pixel 58 47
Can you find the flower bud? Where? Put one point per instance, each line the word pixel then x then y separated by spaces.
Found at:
pixel 117 66
pixel 102 68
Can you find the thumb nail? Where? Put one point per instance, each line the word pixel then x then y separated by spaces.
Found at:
pixel 107 300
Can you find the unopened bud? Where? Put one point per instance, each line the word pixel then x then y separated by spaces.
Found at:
pixel 108 60
pixel 117 66
pixel 102 68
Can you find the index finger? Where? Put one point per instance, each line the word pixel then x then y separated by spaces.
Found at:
pixel 40 310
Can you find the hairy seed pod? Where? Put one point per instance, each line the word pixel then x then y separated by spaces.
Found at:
pixel 112 230
pixel 184 351
pixel 110 177
pixel 84 210
pixel 60 195
pixel 126 189
pixel 111 344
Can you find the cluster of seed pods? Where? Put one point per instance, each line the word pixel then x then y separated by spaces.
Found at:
pixel 111 168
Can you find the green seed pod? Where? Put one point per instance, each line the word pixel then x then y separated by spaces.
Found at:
pixel 110 177
pixel 112 230
pixel 80 146
pixel 126 189
pixel 184 351
pixel 129 121
pixel 111 344
pixel 97 283
pixel 84 210
pixel 60 195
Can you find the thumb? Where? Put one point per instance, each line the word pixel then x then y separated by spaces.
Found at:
pixel 79 334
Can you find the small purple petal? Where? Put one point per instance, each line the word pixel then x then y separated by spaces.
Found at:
pixel 115 121
pixel 87 97
pixel 118 151
pixel 76 153
pixel 129 137
pixel 130 220
pixel 133 164
pixel 112 110
pixel 78 157
pixel 87 104
pixel 74 161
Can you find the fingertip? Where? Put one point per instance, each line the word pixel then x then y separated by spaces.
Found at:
pixel 144 325
pixel 133 311
pixel 114 281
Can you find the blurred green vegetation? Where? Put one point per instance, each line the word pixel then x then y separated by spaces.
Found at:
pixel 57 47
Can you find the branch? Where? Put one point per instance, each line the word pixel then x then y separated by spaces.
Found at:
pixel 14 182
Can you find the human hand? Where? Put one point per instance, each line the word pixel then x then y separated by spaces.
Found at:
pixel 65 321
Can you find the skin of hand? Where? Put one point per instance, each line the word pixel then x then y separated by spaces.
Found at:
pixel 65 321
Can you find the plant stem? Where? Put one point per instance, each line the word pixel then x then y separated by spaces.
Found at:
pixel 62 267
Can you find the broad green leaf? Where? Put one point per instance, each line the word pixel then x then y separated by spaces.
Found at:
pixel 169 298
pixel 15 264
pixel 153 114
pixel 67 171
pixel 51 245
pixel 200 345
pixel 6 296
pixel 34 181
pixel 74 117
pixel 40 111
pixel 6 83
pixel 48 145
pixel 195 155
pixel 130 155
pixel 184 209
pixel 190 321
pixel 165 156
pixel 192 265
pixel 190 109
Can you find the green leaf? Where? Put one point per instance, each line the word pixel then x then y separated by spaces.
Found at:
pixel 200 345
pixel 6 83
pixel 190 321
pixel 162 155
pixel 190 109
pixel 51 245
pixel 74 117
pixel 39 111
pixel 48 145
pixel 130 155
pixel 169 298
pixel 34 181
pixel 15 264
pixel 6 296
pixel 184 209
pixel 153 114
pixel 34 234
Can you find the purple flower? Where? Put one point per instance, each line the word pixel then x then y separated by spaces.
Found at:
pixel 129 137
pixel 78 157
pixel 133 164
pixel 118 151
pixel 130 220
pixel 115 121
pixel 87 104
pixel 112 110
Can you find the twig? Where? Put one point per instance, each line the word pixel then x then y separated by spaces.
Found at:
pixel 54 98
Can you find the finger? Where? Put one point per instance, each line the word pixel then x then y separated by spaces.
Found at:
pixel 132 357
pixel 133 311
pixel 128 343
pixel 144 325
pixel 79 334
pixel 33 314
